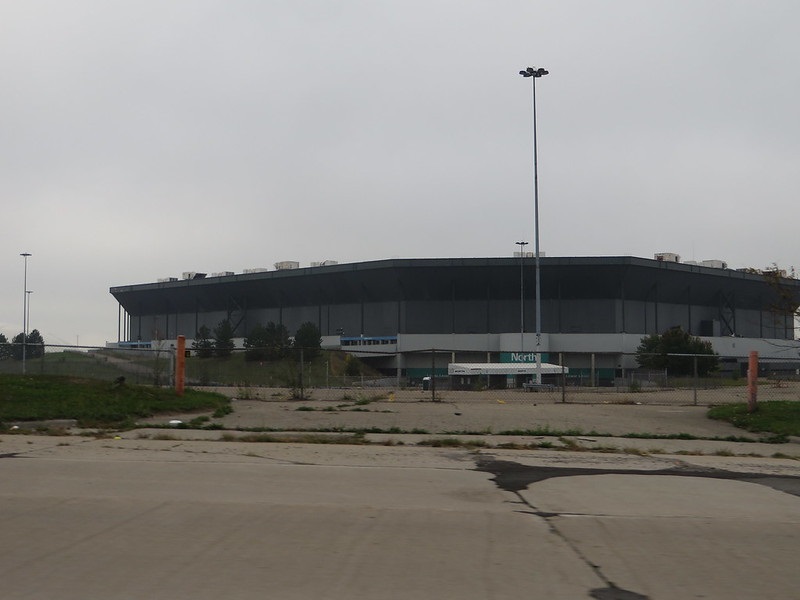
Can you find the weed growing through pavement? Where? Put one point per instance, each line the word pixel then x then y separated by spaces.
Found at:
pixel 452 443
pixel 635 451
pixel 782 455
pixel 222 411
pixel 569 444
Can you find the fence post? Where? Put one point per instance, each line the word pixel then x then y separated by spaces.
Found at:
pixel 694 381
pixel 752 382
pixel 563 382
pixel 302 394
pixel 180 365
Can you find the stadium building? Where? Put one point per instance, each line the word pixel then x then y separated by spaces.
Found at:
pixel 594 310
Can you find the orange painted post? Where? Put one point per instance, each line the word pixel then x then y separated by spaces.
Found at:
pixel 752 382
pixel 180 365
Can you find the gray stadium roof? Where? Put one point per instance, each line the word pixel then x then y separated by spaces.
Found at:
pixel 446 278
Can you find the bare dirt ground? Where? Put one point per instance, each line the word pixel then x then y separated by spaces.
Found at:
pixel 488 418
pixel 778 390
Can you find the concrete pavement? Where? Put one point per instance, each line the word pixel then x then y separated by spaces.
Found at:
pixel 84 518
pixel 179 513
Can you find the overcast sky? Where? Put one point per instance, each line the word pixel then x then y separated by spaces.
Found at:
pixel 141 138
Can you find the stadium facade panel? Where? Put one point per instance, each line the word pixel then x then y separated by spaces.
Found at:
pixel 588 304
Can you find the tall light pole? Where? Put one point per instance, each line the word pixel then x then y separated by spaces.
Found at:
pixel 28 320
pixel 521 296
pixel 24 256
pixel 535 74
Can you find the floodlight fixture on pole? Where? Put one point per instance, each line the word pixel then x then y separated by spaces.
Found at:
pixel 534 74
pixel 24 256
pixel 521 296
pixel 531 72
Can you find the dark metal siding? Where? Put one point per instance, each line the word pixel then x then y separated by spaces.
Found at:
pixel 579 295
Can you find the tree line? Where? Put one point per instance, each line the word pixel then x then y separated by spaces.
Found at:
pixel 34 346
pixel 263 342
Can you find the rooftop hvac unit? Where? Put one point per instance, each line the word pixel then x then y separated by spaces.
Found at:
pixel 222 274
pixel 714 264
pixel 324 263
pixel 255 270
pixel 285 265
pixel 166 279
pixel 193 275
pixel 668 257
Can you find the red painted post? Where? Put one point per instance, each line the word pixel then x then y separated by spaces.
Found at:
pixel 752 382
pixel 180 365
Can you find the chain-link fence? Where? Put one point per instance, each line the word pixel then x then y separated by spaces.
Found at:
pixel 139 366
pixel 289 368
pixel 682 379
pixel 428 375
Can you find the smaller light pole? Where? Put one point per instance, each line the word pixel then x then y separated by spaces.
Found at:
pixel 24 256
pixel 521 296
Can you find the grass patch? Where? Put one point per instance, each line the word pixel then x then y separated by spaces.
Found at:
pixel 361 400
pixel 780 418
pixel 94 403
pixel 546 431
pixel 660 436
pixel 451 442
pixel 295 438
pixel 224 409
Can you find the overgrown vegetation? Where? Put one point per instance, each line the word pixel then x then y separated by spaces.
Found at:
pixel 677 351
pixel 780 418
pixel 95 403
pixel 93 365
pixel 154 366
pixel 328 368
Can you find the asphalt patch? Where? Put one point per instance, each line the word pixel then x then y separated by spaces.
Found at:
pixel 514 477
pixel 615 593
